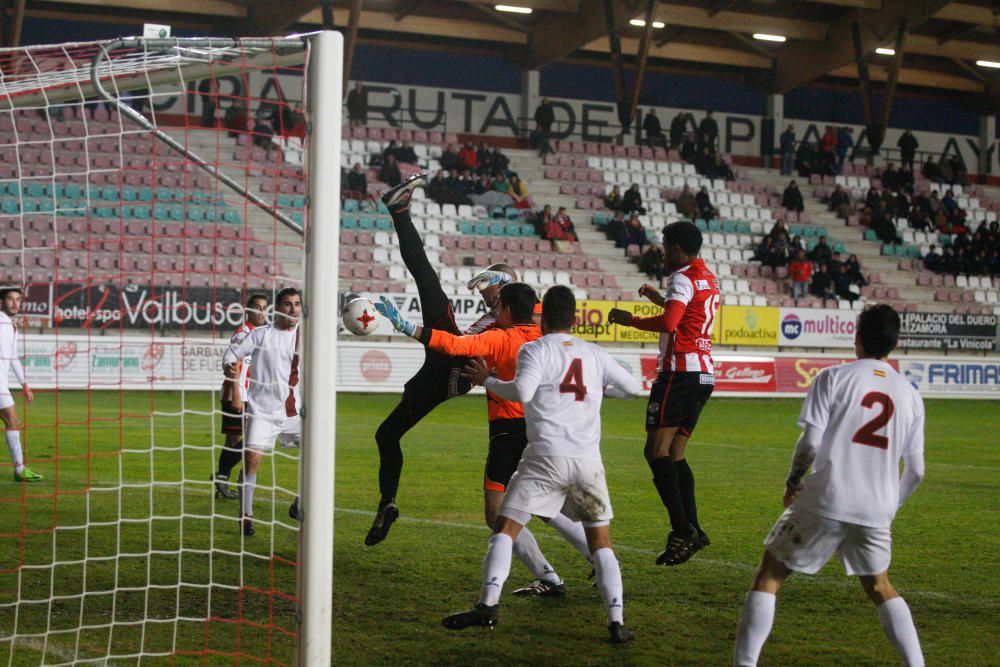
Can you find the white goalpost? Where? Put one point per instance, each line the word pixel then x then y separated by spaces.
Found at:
pixel 148 189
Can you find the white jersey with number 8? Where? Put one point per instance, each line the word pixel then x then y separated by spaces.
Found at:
pixel 561 381
pixel 870 418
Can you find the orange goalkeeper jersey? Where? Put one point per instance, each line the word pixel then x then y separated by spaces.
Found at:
pixel 499 347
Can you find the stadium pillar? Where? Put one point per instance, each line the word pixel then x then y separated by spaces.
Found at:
pixel 987 144
pixel 774 121
pixel 530 86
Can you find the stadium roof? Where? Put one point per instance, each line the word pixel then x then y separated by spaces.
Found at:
pixel 941 45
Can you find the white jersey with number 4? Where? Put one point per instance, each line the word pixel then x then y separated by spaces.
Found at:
pixel 870 418
pixel 561 381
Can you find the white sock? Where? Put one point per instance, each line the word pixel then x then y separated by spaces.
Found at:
pixel 249 482
pixel 14 446
pixel 527 551
pixel 572 532
pixel 755 626
pixel 894 615
pixel 496 567
pixel 609 583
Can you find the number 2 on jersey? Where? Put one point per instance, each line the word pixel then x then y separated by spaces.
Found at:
pixel 868 434
pixel 572 383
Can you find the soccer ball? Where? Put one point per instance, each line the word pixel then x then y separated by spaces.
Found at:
pixel 360 316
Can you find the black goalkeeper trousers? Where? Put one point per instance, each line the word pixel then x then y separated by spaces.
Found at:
pixel 438 378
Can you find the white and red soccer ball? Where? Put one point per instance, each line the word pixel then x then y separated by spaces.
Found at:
pixel 360 316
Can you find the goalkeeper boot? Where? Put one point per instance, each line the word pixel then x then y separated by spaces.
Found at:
pixel 679 548
pixel 619 634
pixel 222 489
pixel 27 476
pixel 542 589
pixel 384 518
pixel 481 615
pixel 397 199
pixel 248 530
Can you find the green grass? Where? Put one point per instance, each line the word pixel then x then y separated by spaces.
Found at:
pixel 389 600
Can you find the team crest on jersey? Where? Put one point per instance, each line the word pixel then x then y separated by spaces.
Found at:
pixel 701 284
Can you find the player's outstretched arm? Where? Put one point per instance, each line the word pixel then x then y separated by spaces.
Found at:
pixel 391 313
pixel 618 382
pixel 651 293
pixel 237 352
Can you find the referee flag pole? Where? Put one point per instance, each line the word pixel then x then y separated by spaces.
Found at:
pixel 319 350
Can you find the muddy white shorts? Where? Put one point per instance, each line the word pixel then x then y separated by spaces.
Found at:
pixel 804 542
pixel 545 486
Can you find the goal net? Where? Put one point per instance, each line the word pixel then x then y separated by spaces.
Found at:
pixel 148 188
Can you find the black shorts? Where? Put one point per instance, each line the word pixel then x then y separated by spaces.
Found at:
pixel 676 400
pixel 508 438
pixel 439 379
pixel 232 421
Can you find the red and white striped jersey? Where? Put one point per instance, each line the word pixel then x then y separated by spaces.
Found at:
pixel 685 327
pixel 243 381
pixel 485 323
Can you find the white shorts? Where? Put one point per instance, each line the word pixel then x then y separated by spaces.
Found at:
pixel 6 399
pixel 546 486
pixel 261 432
pixel 804 542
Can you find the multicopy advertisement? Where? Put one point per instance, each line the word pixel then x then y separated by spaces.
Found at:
pixel 816 327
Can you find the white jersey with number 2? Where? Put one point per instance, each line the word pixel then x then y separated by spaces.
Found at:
pixel 561 381
pixel 870 418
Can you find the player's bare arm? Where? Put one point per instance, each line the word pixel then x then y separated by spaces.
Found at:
pixel 29 396
pixel 649 292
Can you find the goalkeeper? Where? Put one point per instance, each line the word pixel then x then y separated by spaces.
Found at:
pixel 440 376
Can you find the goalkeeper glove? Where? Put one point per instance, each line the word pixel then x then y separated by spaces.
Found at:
pixel 391 313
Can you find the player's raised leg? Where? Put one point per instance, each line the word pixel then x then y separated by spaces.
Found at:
pixel 683 535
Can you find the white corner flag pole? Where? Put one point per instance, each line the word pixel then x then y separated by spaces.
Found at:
pixel 319 350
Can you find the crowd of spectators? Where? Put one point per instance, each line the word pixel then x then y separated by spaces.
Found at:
pixel 554 226
pixel 630 202
pixel 971 255
pixel 478 189
pixel 695 205
pixel 826 157
pixel 820 271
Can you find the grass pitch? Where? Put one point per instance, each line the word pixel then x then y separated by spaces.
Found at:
pixel 189 561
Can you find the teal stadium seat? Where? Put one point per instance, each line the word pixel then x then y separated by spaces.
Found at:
pixel 821 231
pixel 888 250
pixel 145 194
pixel 367 223
pixel 196 214
pixel 808 232
pixel 714 225
pixel 46 206
pixel 870 235
pixel 381 208
pixel 701 224
pixel 497 229
pixel 348 222
pixel 481 228
pixel 527 229
pixel 496 212
pixel 10 206
pixel 72 191
pixel 944 239
pixel 382 223
pixel 466 227
pixel 795 230
pixel 840 247
pixel 730 227
pixel 34 189
pixel 601 219
pixel 176 212
pixel 231 216
pixel 350 206
pixel 913 251
pixel 513 213
pixel 142 212
pixel 29 206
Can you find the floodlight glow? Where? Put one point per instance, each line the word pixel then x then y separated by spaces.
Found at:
pixel 640 23
pixel 764 37
pixel 882 51
pixel 988 63
pixel 513 9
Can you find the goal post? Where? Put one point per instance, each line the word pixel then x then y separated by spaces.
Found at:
pixel 148 188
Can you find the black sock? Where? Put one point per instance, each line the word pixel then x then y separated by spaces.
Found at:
pixel 668 486
pixel 686 480
pixel 228 458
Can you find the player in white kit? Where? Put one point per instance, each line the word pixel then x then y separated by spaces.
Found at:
pixel 273 398
pixel 858 421
pixel 561 381
pixel 10 304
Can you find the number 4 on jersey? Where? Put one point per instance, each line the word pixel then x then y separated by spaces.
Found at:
pixel 572 383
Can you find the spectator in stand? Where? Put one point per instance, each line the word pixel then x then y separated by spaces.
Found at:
pixel 993 262
pixel 406 154
pixel 906 177
pixel 689 149
pixel 519 192
pixel 884 226
pixel 822 253
pixel 800 271
pixel 828 145
pixel 539 141
pixel 872 199
pixel 787 151
pixel 844 285
pixel 634 233
pixel 357 181
pixel 541 219
pixel 903 204
pixel 806 160
pixel 653 130
pixel 209 89
pixel 949 203
pixel 499 162
pixel 565 224
pixel 501 184
pixel 822 283
pixel 890 177
pixel 652 262
pixel 357 105
pixel 467 158
pixel 263 130
pixel 390 149
pixel 686 204
pixel 449 158
pixel 956 166
pixel 835 263
pixel 677 126
pixel 484 159
pixel 854 266
pixel 704 204
pixel 908 146
pixel 840 202
pixel 613 200
pixel 845 142
pixel 773 252
pixel 791 199
pixel 932 172
pixel 545 116
pixel 389 173
pixel 236 119
pixel 779 232
pixel 632 200
pixel 795 245
pixel 708 129
pixel 615 229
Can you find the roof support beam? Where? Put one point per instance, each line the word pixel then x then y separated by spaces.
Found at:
pixel 799 63
pixel 13 20
pixel 270 17
pixel 350 41
pixel 556 36
pixel 499 17
pixel 640 68
pixel 890 86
